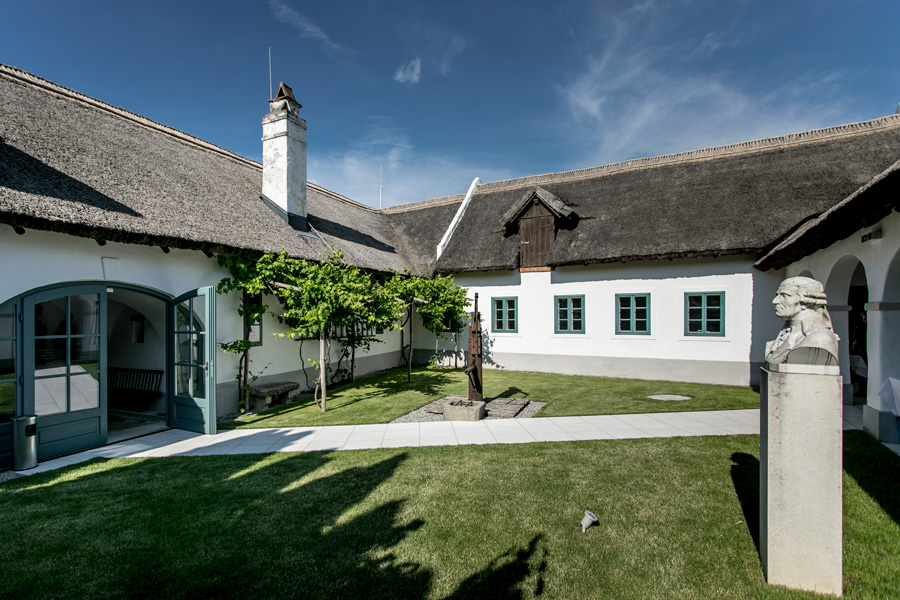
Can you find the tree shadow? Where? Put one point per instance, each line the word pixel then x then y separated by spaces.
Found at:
pixel 745 478
pixel 25 173
pixel 875 469
pixel 503 577
pixel 512 392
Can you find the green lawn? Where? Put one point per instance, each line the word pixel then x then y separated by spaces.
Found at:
pixel 678 518
pixel 382 398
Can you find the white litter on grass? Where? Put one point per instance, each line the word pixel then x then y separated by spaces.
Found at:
pixel 669 397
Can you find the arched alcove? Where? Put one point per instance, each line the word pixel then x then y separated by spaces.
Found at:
pixel 847 291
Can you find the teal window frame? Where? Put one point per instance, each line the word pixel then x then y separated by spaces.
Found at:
pixel 569 318
pixel 631 315
pixel 702 314
pixel 504 312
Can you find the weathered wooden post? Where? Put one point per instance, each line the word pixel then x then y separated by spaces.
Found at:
pixel 476 393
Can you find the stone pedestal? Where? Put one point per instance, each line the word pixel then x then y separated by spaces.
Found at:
pixel 800 495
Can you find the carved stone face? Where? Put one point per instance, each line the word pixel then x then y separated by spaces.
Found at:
pixel 787 302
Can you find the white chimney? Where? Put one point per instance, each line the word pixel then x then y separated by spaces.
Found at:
pixel 284 159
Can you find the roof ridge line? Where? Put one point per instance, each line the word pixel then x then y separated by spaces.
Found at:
pixel 441 201
pixel 46 84
pixel 748 147
pixel 340 197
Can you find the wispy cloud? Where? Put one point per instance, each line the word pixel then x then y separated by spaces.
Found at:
pixel 410 72
pixel 646 90
pixel 454 47
pixel 409 174
pixel 307 29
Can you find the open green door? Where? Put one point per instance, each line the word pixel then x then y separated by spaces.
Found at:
pixel 64 374
pixel 192 365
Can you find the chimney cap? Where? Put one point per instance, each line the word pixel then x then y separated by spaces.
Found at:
pixel 285 93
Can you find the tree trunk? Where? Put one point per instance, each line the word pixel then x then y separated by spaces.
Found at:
pixel 322 369
pixel 411 325
pixel 353 354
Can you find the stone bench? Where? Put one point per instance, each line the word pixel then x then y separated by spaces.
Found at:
pixel 272 393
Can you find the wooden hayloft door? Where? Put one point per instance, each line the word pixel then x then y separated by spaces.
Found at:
pixel 537 229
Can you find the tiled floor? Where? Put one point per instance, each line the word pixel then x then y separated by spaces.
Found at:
pixel 175 442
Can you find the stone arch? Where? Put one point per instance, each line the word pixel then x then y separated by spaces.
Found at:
pixel 847 291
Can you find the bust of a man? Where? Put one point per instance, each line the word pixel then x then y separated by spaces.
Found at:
pixel 807 337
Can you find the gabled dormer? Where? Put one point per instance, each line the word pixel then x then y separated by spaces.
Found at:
pixel 535 219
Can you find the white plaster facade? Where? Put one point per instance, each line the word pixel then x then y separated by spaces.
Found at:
pixel 665 354
pixel 835 266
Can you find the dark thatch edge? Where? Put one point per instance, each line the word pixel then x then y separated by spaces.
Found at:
pixel 556 206
pixel 863 208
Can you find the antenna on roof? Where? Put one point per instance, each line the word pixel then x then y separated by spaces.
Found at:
pixel 898 109
pixel 270 71
pixel 380 186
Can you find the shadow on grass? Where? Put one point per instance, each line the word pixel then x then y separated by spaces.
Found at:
pixel 745 478
pixel 502 578
pixel 875 468
pixel 512 392
pixel 275 526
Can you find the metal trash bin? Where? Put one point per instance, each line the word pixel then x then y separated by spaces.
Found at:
pixel 24 443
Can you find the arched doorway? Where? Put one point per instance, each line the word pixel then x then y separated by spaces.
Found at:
pixel 848 292
pixel 96 362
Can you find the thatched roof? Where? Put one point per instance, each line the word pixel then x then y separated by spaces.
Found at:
pixel 863 208
pixel 72 164
pixel 738 199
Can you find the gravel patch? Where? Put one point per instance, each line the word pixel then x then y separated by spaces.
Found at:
pixel 422 416
pixel 7 475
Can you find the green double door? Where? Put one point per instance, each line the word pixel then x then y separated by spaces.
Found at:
pixel 65 365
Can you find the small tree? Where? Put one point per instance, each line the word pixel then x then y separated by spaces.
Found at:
pixel 439 301
pixel 245 277
pixel 319 297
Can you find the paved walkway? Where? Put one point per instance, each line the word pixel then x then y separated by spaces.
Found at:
pixel 174 442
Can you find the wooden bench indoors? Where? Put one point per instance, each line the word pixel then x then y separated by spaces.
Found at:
pixel 132 389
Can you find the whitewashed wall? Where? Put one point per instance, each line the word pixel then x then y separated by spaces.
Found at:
pixel 39 259
pixel 834 267
pixel 666 354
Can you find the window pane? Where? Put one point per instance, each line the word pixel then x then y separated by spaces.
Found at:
pixel 8 321
pixel 85 353
pixel 563 314
pixel 84 392
pixel 563 325
pixel 199 387
pixel 182 320
pixel 576 314
pixel 625 302
pixel 50 396
pixel 199 314
pixel 85 314
pixel 625 325
pixel 561 303
pixel 184 348
pixel 498 324
pixel 49 356
pixel 695 314
pixel 576 303
pixel 640 325
pixel 714 300
pixel 640 301
pixel 511 316
pixel 695 326
pixel 511 304
pixel 695 300
pixel 182 380
pixel 624 313
pixel 640 313
pixel 511 323
pixel 576 324
pixel 50 317
pixel 713 326
pixel 713 313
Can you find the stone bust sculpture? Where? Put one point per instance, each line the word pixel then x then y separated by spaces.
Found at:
pixel 807 337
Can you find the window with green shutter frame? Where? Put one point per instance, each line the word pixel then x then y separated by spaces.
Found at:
pixel 504 314
pixel 632 314
pixel 569 314
pixel 704 313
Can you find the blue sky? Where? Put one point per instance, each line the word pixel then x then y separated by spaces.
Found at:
pixel 435 94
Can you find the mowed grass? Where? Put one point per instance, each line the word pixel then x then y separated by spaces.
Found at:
pixel 384 397
pixel 678 518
